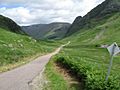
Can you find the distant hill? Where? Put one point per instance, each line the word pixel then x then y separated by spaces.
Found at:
pixel 47 31
pixel 8 24
pixel 104 10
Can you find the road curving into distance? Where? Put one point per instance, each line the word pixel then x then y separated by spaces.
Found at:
pixel 19 78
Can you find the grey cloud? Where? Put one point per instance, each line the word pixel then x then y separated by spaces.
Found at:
pixel 46 11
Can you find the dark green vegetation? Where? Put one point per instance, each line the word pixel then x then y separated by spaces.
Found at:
pixel 85 57
pixel 10 25
pixel 47 31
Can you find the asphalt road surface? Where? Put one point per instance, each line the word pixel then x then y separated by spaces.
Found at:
pixel 19 78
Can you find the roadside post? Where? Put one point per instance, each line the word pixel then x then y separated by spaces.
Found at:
pixel 113 50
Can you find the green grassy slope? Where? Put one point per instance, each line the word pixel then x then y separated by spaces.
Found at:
pixel 87 60
pixel 105 31
pixel 15 49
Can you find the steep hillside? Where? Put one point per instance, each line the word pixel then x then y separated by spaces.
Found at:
pixel 16 49
pixel 47 31
pixel 85 57
pixel 10 25
pixel 102 11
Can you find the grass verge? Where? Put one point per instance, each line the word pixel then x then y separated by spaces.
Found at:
pixel 55 80
pixel 59 77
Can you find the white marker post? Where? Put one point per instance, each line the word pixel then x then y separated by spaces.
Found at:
pixel 113 50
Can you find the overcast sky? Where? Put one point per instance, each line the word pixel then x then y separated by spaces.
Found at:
pixel 27 12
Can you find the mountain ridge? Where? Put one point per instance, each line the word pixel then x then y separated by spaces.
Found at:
pixel 55 30
pixel 105 9
pixel 8 24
